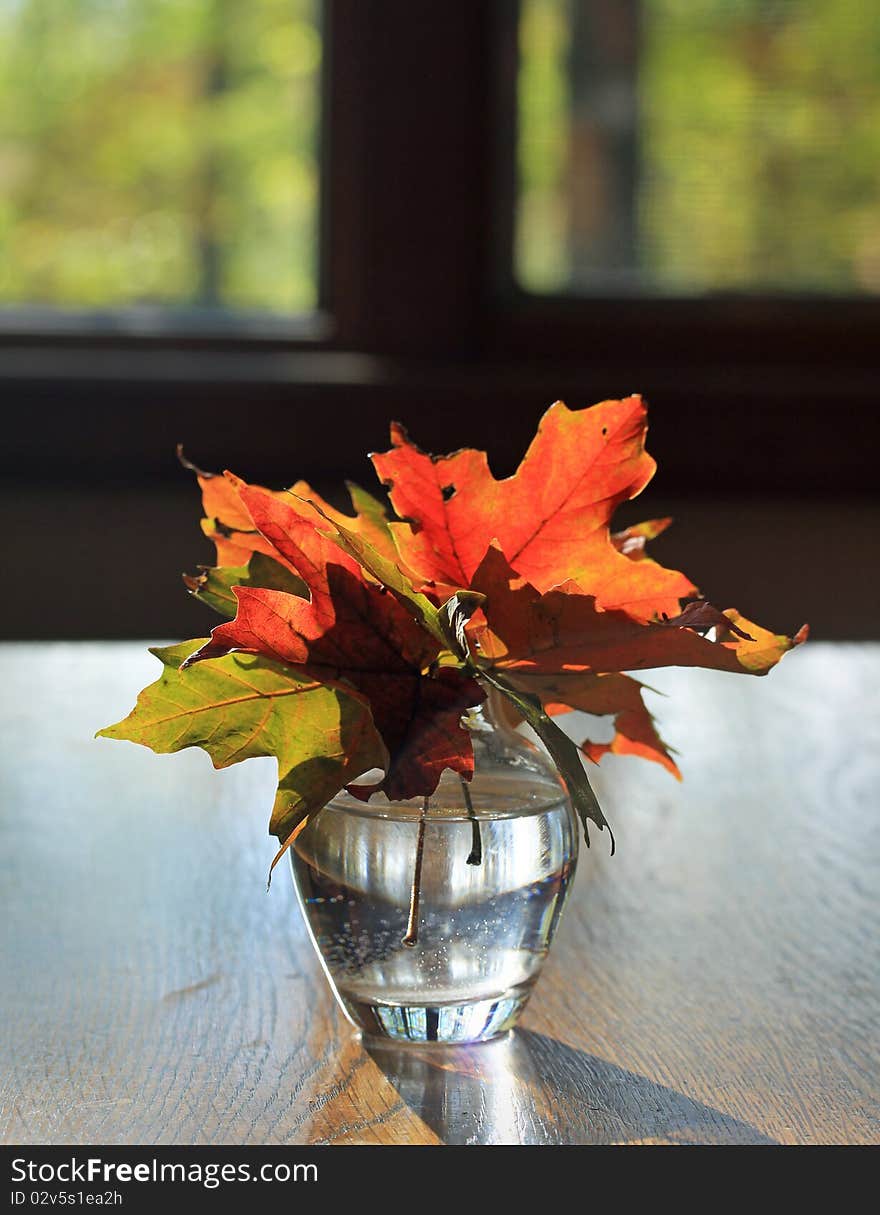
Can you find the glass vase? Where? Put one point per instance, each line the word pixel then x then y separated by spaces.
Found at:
pixel 432 919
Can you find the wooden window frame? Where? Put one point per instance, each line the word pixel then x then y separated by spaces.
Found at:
pixel 419 314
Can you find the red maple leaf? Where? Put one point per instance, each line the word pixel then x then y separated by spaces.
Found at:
pixel 352 633
pixel 567 631
pixel 619 697
pixel 566 649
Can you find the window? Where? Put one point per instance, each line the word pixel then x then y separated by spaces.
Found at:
pixel 159 154
pixel 463 265
pixel 687 147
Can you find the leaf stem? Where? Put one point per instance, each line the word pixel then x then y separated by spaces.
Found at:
pixel 412 927
pixel 476 853
pixel 562 750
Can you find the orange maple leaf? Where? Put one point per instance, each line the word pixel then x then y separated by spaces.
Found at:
pixel 551 518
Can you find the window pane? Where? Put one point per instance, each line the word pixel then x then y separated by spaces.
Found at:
pixel 688 146
pixel 159 152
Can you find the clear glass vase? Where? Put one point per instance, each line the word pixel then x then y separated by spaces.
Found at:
pixel 432 923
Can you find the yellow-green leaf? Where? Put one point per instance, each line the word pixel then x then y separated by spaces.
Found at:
pixel 243 706
pixel 213 584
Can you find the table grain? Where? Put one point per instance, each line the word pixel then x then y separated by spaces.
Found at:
pixel 717 981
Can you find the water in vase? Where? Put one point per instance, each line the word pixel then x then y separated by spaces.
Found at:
pixel 482 930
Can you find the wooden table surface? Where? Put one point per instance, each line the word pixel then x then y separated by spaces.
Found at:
pixel 717 981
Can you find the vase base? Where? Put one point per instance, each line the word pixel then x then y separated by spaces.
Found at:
pixel 473 1021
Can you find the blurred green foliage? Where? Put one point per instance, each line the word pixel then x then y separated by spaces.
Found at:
pixel 159 152
pixel 757 128
pixel 165 152
pixel 544 128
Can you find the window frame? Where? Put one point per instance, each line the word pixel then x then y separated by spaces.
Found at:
pixel 417 301
pixel 764 327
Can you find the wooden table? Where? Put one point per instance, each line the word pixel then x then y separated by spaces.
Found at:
pixel 718 981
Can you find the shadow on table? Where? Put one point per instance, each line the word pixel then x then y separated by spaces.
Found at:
pixel 531 1089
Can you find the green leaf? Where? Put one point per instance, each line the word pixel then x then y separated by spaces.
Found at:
pixel 371 511
pixel 243 706
pixel 213 586
pixel 563 751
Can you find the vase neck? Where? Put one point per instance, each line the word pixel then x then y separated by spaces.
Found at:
pixel 497 714
pixel 498 740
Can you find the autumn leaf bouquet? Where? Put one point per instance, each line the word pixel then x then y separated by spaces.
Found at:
pixel 357 643
pixel 359 649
